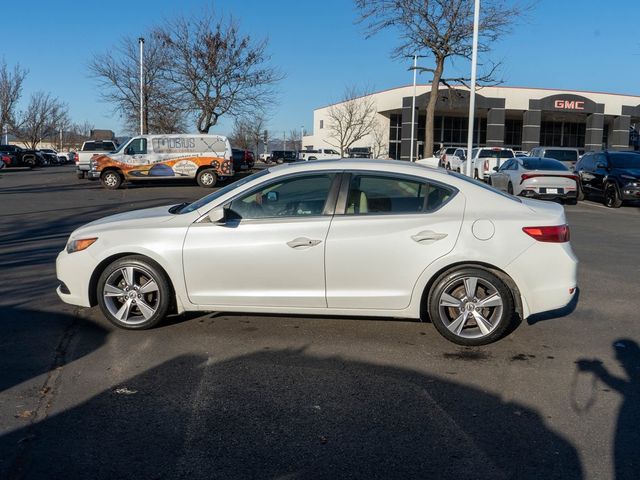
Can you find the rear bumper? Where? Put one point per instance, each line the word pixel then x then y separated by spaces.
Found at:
pixel 571 195
pixel 545 285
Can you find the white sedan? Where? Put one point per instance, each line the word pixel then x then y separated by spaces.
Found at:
pixel 543 178
pixel 348 237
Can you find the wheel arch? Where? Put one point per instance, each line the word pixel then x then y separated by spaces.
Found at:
pixel 504 276
pixel 97 271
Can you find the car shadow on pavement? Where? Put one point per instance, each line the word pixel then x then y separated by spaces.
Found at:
pixel 290 414
pixel 627 437
pixel 28 347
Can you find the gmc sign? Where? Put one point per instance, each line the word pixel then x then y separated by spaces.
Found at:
pixel 569 105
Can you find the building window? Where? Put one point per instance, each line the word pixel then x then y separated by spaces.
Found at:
pixel 562 134
pixel 513 133
pixel 321 124
pixel 452 131
pixel 395 135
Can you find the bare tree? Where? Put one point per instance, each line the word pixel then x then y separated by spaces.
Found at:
pixel 351 119
pixel 294 140
pixel 441 30
pixel 216 69
pixel 117 73
pixel 379 141
pixel 39 119
pixel 10 92
pixel 241 136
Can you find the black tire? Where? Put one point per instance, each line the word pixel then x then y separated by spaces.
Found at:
pixel 510 188
pixel 143 271
pixel 80 175
pixel 571 201
pixel 207 178
pixel 580 192
pixel 467 330
pixel 111 179
pixel 30 162
pixel 489 181
pixel 612 196
pixel 448 166
pixel 475 174
pixel 279 160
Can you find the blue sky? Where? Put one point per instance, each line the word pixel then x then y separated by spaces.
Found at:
pixel 569 44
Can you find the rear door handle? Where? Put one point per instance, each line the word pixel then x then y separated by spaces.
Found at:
pixel 303 242
pixel 428 236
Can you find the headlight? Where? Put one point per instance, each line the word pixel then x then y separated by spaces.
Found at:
pixel 80 244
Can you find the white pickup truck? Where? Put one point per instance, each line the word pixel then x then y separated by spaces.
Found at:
pixel 318 154
pixel 88 150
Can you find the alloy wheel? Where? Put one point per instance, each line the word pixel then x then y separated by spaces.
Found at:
pixel 131 294
pixel 470 307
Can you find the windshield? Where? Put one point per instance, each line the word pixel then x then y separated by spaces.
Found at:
pixel 495 154
pixel 219 193
pixel 543 164
pixel 562 155
pixel 625 160
pixel 478 183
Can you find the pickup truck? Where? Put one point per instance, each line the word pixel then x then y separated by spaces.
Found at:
pixel 318 154
pixel 485 159
pixel 88 150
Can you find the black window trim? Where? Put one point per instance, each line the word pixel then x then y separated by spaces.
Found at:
pixel 341 205
pixel 329 204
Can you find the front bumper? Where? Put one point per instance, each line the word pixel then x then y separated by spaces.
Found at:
pixel 93 175
pixel 73 271
pixel 631 191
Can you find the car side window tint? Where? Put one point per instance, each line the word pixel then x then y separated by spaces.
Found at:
pixel 301 196
pixel 373 194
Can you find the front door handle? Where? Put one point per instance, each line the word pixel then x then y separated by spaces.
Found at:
pixel 428 236
pixel 303 242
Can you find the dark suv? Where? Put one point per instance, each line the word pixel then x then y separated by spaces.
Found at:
pixel 242 159
pixel 614 176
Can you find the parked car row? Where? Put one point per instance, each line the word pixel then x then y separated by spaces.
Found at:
pixel 555 173
pixel 15 156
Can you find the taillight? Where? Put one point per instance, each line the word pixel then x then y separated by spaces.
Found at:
pixel 486 165
pixel 527 176
pixel 555 234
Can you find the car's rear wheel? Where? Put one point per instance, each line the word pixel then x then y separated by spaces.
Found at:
pixel 111 179
pixel 207 178
pixel 133 293
pixel 471 306
pixel 611 196
pixel 80 175
pixel 510 188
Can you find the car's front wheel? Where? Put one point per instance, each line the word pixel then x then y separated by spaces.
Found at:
pixel 133 293
pixel 471 306
pixel 611 196
pixel 111 179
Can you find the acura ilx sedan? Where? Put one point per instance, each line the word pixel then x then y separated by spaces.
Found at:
pixel 340 237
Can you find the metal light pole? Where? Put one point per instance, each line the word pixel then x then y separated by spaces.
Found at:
pixel 413 105
pixel 5 131
pixel 141 42
pixel 472 96
pixel 284 140
pixel 301 136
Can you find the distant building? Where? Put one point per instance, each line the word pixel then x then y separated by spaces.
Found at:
pixel 520 118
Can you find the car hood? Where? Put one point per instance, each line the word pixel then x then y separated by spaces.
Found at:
pixel 134 219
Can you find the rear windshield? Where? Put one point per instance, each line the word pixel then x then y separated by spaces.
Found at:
pixel 562 155
pixel 495 154
pixel 483 185
pixel 450 151
pixel 543 164
pixel 625 160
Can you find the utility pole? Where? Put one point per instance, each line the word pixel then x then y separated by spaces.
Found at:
pixel 472 96
pixel 141 42
pixel 284 140
pixel 301 137
pixel 413 105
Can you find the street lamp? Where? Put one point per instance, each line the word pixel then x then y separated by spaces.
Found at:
pixel 301 136
pixel 413 105
pixel 472 96
pixel 141 42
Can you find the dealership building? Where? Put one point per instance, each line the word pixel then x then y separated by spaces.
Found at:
pixel 515 117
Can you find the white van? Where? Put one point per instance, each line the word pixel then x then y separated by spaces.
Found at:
pixel 205 158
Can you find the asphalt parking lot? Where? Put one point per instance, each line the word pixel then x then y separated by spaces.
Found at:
pixel 245 396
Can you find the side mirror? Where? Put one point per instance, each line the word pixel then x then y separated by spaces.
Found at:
pixel 272 196
pixel 128 151
pixel 217 215
pixel 495 169
pixel 601 165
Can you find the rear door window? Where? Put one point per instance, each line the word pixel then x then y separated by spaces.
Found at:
pixel 378 194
